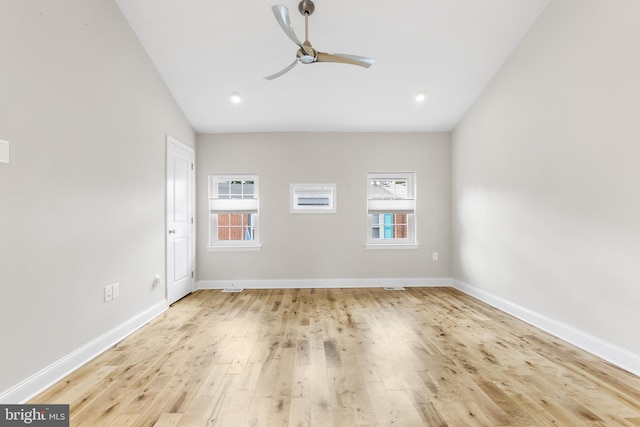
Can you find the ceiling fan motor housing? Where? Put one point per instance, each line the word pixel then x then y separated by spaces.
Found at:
pixel 306 7
pixel 307 54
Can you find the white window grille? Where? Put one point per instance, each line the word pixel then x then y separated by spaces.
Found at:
pixel 391 209
pixel 233 212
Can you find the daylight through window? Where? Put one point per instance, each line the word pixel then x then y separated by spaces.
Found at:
pixel 391 209
pixel 233 207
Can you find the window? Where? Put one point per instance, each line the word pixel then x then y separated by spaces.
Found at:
pixel 233 212
pixel 313 198
pixel 391 210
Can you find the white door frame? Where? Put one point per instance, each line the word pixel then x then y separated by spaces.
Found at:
pixel 171 141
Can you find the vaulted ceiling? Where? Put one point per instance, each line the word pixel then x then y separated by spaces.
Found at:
pixel 447 49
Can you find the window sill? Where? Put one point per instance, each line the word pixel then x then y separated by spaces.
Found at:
pixel 230 248
pixel 391 246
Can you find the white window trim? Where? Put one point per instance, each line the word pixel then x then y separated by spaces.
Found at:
pixel 382 206
pixel 394 246
pixel 235 248
pixel 220 206
pixel 297 189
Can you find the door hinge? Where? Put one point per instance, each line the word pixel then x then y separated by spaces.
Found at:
pixel 191 220
pixel 192 275
pixel 191 166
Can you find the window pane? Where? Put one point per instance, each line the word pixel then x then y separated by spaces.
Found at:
pixel 223 189
pixel 375 190
pixel 235 189
pixel 389 189
pixel 389 226
pixel 236 226
pixel 247 189
pixel 400 189
pixel 400 229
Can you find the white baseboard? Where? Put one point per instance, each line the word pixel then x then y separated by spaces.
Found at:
pixel 609 352
pixel 321 283
pixel 53 373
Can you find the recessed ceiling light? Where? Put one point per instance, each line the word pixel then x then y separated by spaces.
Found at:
pixel 235 98
pixel 421 96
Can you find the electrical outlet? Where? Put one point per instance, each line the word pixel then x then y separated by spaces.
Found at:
pixel 108 293
pixel 115 290
pixel 435 256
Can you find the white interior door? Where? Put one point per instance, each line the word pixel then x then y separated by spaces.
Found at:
pixel 180 220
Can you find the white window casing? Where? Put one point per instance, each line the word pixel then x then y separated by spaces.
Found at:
pixel 234 196
pixel 391 208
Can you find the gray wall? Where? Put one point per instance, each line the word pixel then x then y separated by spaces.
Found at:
pixel 546 206
pixel 82 201
pixel 327 246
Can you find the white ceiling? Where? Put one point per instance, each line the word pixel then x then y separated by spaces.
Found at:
pixel 206 50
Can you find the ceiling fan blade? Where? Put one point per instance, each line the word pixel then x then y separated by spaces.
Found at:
pixel 279 73
pixel 282 16
pixel 342 58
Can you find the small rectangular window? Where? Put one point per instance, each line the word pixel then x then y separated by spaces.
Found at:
pixel 233 212
pixel 391 209
pixel 313 198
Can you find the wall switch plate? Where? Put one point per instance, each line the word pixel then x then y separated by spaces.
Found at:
pixel 4 151
pixel 108 293
pixel 115 290
pixel 157 280
pixel 435 256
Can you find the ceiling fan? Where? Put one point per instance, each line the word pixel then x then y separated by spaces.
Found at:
pixel 307 54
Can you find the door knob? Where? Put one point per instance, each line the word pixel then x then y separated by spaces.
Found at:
pixel 172 231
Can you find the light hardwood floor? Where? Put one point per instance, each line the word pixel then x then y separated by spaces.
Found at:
pixel 344 357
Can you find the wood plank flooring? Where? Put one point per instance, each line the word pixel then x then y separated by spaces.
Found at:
pixel 344 357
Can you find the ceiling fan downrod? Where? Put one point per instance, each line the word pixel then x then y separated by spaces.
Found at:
pixel 306 8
